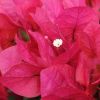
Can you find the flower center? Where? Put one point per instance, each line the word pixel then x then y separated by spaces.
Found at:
pixel 57 42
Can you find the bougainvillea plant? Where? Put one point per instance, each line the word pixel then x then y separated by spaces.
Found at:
pixel 49 49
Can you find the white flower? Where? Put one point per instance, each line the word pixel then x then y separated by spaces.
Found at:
pixel 57 42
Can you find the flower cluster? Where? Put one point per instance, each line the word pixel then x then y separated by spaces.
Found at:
pixel 50 48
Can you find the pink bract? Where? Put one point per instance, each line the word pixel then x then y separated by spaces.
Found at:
pixel 56 50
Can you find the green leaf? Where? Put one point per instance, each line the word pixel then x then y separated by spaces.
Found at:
pixel 24 36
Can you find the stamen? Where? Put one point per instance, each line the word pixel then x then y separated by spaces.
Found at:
pixel 57 43
pixel 46 37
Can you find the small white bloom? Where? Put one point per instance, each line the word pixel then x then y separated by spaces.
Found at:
pixel 57 42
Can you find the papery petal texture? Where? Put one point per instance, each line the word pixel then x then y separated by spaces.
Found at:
pixel 9 58
pixel 27 78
